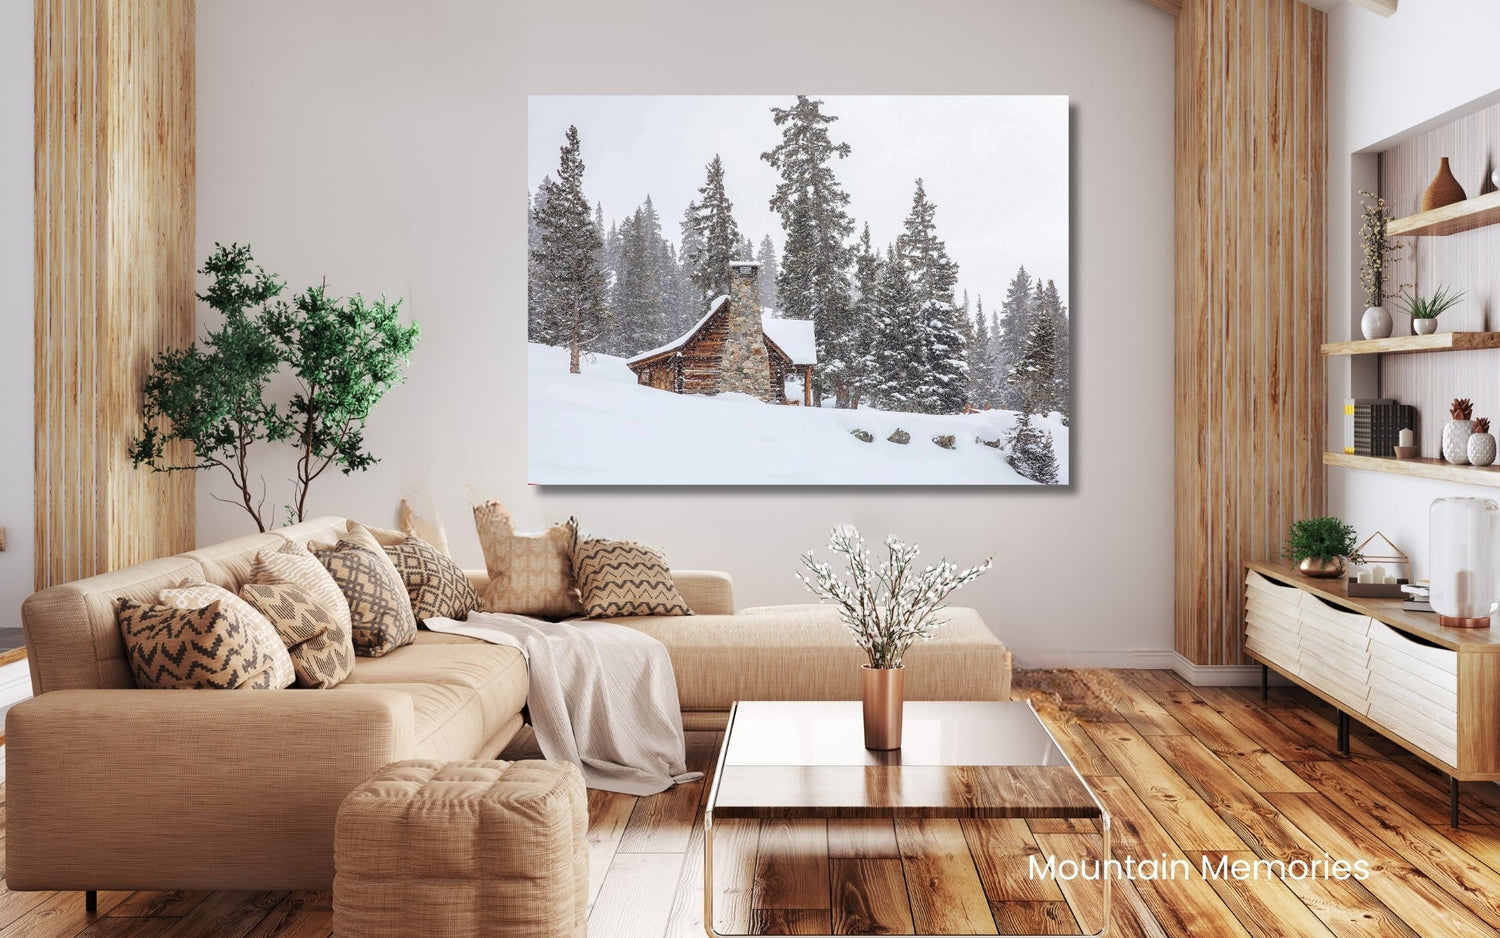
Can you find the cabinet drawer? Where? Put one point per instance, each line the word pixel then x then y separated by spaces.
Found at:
pixel 1332 619
pixel 1334 643
pixel 1271 652
pixel 1259 589
pixel 1389 667
pixel 1437 737
pixel 1349 691
pixel 1281 629
pixel 1442 659
pixel 1432 712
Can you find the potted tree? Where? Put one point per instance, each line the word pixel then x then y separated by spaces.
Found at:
pixel 1319 546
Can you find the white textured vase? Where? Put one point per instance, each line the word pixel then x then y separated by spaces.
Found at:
pixel 1481 449
pixel 1376 323
pixel 1456 435
pixel 1423 326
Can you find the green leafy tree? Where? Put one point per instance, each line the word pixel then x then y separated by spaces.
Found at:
pixel 208 397
pixel 345 354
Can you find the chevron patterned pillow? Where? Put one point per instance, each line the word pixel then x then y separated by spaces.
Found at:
pixel 379 610
pixel 435 584
pixel 322 650
pixel 198 648
pixel 196 594
pixel 624 578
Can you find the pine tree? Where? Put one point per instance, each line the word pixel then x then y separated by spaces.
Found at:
pixel 813 281
pixel 898 382
pixel 746 251
pixel 1016 316
pixel 1031 452
pixel 691 301
pixel 767 258
pixel 857 346
pixel 1050 306
pixel 945 381
pixel 721 238
pixel 538 328
pixel 981 361
pixel 574 310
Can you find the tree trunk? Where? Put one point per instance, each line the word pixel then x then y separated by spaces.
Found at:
pixel 573 356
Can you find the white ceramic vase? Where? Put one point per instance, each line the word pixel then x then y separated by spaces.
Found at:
pixel 1456 435
pixel 1481 447
pixel 1376 323
pixel 1423 326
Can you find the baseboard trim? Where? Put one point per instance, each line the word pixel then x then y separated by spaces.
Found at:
pixel 1221 675
pixel 1160 659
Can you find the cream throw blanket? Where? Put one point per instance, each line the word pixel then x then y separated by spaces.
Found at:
pixel 602 697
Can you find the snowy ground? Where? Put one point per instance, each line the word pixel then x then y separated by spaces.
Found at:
pixel 601 428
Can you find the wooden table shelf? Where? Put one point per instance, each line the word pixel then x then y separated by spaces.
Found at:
pixel 1400 344
pixel 1423 468
pixel 1467 215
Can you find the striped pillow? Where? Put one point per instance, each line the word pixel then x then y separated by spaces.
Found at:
pixel 196 594
pixel 624 578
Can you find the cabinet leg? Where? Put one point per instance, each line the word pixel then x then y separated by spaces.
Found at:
pixel 1265 683
pixel 1343 732
pixel 1452 802
pixel 91 900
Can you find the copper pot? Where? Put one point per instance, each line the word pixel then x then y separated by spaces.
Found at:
pixel 884 693
pixel 1313 566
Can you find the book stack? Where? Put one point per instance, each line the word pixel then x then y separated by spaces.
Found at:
pixel 1372 426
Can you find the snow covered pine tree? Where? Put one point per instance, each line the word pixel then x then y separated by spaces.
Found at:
pixel 571 280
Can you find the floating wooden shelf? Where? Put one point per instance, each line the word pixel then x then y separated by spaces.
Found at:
pixel 1437 342
pixel 1472 213
pixel 1439 469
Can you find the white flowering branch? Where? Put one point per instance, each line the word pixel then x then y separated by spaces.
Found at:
pixel 885 609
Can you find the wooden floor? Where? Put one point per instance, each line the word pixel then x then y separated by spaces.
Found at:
pixel 1187 773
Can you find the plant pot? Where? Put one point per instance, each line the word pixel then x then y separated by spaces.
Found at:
pixel 1456 435
pixel 1443 190
pixel 1314 566
pixel 1376 323
pixel 1481 449
pixel 884 694
pixel 1423 326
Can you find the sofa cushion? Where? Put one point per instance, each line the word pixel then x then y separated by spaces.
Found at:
pixel 530 575
pixel 435 584
pixel 321 649
pixel 379 612
pixel 624 578
pixel 293 563
pixel 496 674
pixel 196 594
pixel 803 652
pixel 207 648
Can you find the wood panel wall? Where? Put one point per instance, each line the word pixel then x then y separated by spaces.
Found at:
pixel 115 211
pixel 1251 152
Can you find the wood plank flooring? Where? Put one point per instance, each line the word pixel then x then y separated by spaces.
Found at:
pixel 1197 774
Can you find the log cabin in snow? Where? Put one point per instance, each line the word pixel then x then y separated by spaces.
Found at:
pixel 736 347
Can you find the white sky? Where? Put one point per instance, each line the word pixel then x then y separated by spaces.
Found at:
pixel 995 166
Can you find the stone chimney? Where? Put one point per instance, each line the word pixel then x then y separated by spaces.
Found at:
pixel 745 367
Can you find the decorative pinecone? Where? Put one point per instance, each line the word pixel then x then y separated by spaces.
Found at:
pixel 1481 425
pixel 1462 409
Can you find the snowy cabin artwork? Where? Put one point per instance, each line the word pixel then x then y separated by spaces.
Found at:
pixel 738 347
pixel 798 290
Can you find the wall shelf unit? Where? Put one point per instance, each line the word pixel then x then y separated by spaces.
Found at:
pixel 1438 469
pixel 1437 342
pixel 1467 215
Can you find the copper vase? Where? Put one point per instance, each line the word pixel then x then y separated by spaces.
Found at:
pixel 1443 190
pixel 884 693
pixel 1314 566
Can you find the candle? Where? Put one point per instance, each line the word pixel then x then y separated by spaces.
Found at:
pixel 1390 580
pixel 1378 574
pixel 1364 576
pixel 1406 438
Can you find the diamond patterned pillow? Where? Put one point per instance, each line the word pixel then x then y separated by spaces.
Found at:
pixel 379 611
pixel 196 594
pixel 295 565
pixel 322 650
pixel 191 648
pixel 435 584
pixel 530 575
pixel 623 578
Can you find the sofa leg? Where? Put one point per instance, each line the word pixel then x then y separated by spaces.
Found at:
pixel 91 901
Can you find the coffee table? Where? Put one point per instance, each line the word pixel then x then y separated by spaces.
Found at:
pixel 959 759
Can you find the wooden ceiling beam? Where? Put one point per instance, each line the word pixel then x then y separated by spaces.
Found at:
pixel 1383 7
pixel 1173 7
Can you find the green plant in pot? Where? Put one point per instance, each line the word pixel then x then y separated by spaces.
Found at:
pixel 1425 310
pixel 1319 546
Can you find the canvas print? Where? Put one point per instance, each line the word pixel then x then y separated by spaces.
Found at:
pixel 798 290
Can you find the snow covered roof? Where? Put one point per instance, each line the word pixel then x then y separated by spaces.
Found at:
pixel 682 339
pixel 794 336
pixel 744 263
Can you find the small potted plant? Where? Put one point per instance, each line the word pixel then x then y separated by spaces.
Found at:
pixel 1425 310
pixel 1457 430
pixel 1319 546
pixel 1376 323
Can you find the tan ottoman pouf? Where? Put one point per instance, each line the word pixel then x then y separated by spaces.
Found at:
pixel 463 850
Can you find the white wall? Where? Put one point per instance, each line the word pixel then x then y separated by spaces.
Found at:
pixel 382 144
pixel 1446 51
pixel 17 507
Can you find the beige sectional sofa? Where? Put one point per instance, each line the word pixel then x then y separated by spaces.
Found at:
pixel 111 787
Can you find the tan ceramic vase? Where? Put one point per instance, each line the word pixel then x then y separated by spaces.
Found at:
pixel 1443 190
pixel 1312 566
pixel 884 693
